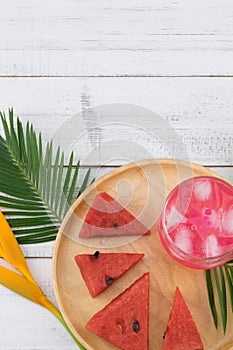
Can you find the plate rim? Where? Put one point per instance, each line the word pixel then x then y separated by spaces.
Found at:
pixel 120 169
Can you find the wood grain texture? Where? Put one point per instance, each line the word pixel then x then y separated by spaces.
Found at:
pixel 92 38
pixel 144 187
pixel 196 117
pixel 99 38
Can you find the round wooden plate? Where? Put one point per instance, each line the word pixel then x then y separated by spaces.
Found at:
pixel 144 186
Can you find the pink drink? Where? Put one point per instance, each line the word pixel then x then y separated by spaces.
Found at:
pixel 196 225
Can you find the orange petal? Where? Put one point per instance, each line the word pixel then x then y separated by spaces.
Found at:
pixel 20 284
pixel 0 251
pixel 10 249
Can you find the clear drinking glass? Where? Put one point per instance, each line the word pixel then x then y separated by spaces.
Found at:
pixel 196 225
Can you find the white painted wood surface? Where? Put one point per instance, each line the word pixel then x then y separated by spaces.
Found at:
pixel 59 58
pixel 99 37
pixel 199 110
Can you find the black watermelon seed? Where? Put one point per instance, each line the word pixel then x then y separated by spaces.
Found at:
pixel 115 225
pixel 96 254
pixel 136 327
pixel 109 281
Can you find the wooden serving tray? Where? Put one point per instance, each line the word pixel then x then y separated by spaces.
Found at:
pixel 145 186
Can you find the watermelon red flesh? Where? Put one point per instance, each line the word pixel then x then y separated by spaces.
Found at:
pixel 98 271
pixel 106 218
pixel 115 322
pixel 181 333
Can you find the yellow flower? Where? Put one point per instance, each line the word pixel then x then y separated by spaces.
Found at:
pixel 22 281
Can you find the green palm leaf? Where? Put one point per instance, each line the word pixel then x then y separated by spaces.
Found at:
pixel 35 194
pixel 219 282
pixel 211 297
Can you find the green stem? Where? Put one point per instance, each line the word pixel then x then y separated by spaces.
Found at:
pixel 61 319
pixel 47 304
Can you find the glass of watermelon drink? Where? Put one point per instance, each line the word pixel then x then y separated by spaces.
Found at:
pixel 196 225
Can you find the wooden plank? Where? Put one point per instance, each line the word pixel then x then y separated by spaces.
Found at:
pixel 227 173
pixel 106 38
pixel 193 121
pixel 25 325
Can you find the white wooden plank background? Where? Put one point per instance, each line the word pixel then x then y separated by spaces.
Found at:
pixel 99 37
pixel 25 325
pixel 200 110
pixel 58 58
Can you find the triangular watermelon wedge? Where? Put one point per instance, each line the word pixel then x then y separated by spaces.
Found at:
pixel 100 270
pixel 182 332
pixel 124 321
pixel 106 218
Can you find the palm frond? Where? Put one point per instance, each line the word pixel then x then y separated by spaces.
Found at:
pixel 221 291
pixel 210 290
pixel 219 282
pixel 35 194
pixel 230 284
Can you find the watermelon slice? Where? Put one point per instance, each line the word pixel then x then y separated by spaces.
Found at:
pixel 124 321
pixel 181 333
pixel 100 270
pixel 106 218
